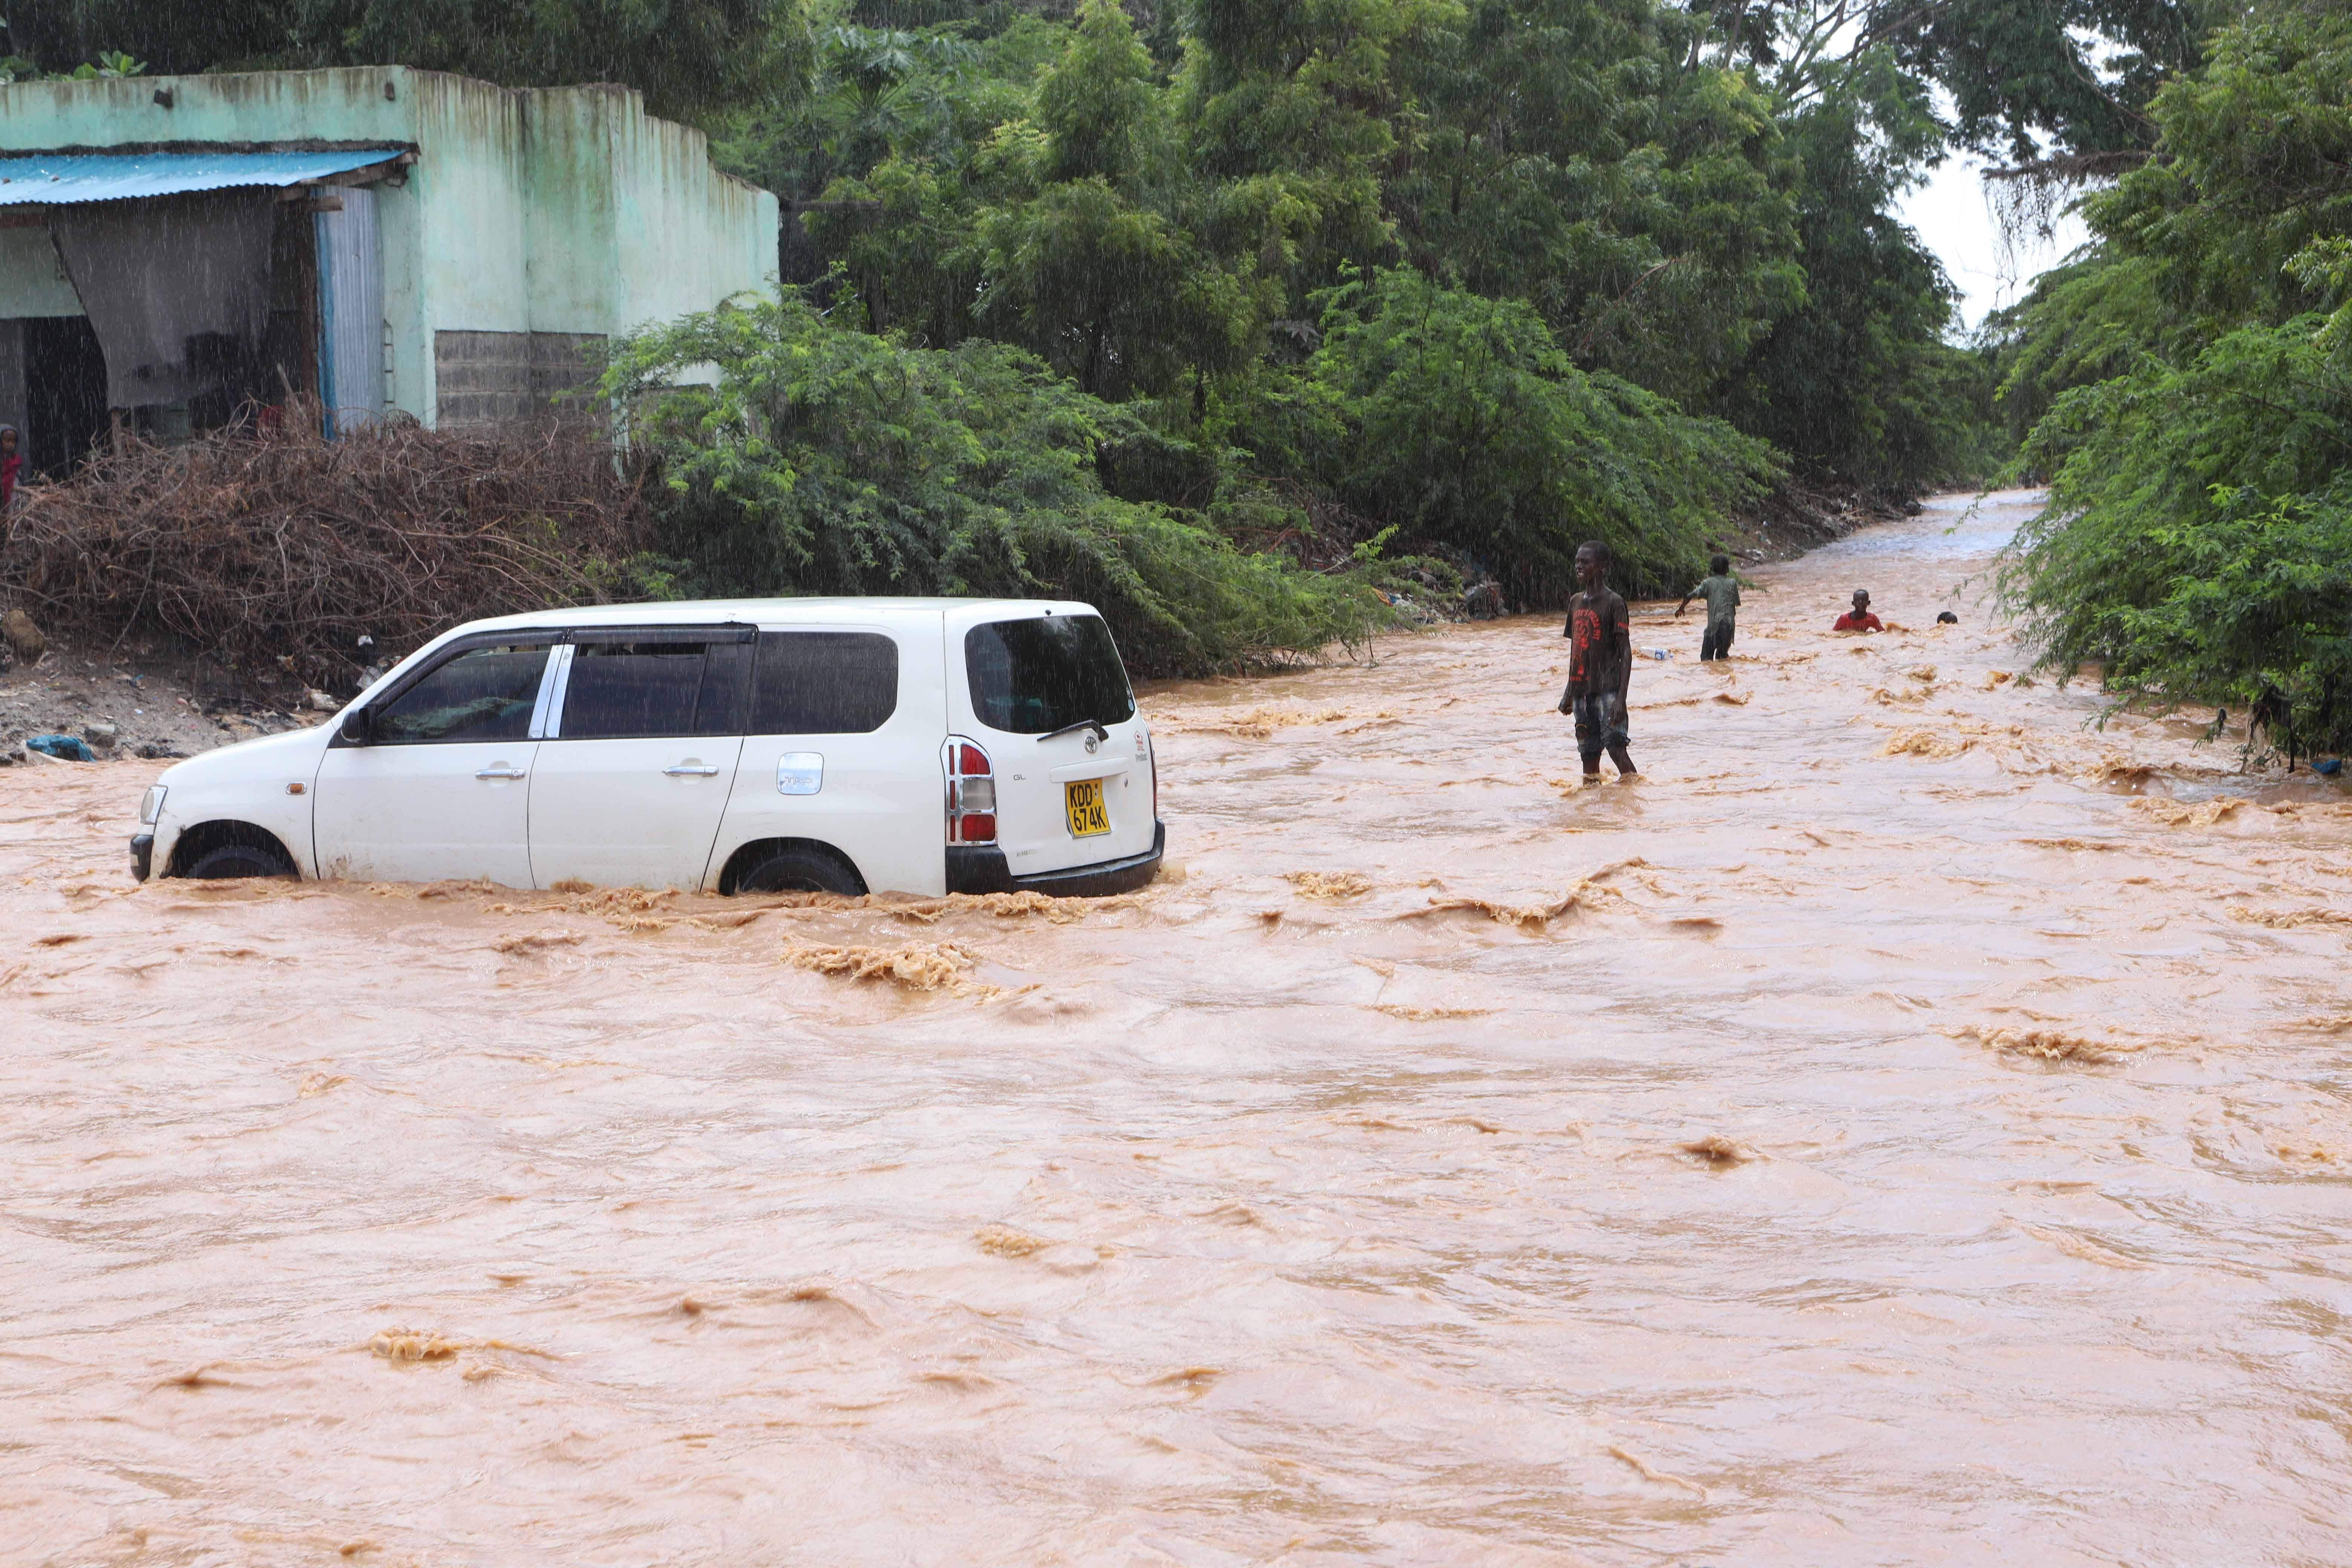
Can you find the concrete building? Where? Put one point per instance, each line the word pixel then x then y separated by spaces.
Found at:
pixel 381 238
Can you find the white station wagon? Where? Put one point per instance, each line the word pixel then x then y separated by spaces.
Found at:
pixel 759 745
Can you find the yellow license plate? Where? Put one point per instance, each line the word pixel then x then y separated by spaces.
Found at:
pixel 1083 800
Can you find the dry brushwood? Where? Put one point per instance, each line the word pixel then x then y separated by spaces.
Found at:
pixel 258 543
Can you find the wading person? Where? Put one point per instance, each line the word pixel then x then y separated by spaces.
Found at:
pixel 1720 589
pixel 1859 618
pixel 1600 665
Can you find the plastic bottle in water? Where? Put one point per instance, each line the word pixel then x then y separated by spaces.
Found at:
pixel 1658 653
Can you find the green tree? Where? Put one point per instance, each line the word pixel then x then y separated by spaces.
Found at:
pixel 690 58
pixel 1457 418
pixel 2027 74
pixel 1561 153
pixel 826 459
pixel 1098 103
pixel 2200 497
pixel 171 36
pixel 1859 383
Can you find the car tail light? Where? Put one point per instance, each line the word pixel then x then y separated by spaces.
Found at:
pixel 972 794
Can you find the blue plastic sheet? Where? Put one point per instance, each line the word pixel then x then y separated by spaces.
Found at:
pixel 71 747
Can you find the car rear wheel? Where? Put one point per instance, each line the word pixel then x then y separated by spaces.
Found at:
pixel 799 870
pixel 241 860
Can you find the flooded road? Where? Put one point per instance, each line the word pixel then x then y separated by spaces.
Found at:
pixel 1907 1126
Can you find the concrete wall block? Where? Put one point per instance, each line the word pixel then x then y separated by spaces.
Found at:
pixel 573 266
pixel 279 108
pixel 481 376
pixel 560 363
pixel 485 376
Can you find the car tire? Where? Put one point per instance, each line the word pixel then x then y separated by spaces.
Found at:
pixel 801 871
pixel 240 860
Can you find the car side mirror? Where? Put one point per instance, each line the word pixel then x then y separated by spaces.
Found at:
pixel 359 726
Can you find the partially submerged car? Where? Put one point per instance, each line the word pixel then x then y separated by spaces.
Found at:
pixel 832 745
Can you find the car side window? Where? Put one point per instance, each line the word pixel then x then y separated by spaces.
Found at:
pixel 480 694
pixel 618 691
pixel 824 683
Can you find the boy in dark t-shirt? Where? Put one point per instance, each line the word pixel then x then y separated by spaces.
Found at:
pixel 1600 665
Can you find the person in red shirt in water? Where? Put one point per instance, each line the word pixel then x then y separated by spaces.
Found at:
pixel 1859 618
pixel 1600 665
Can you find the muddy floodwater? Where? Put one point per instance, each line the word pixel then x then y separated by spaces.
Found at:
pixel 1909 1125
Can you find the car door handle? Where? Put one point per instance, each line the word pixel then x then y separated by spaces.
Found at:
pixel 501 773
pixel 691 770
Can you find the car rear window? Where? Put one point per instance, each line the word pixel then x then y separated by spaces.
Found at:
pixel 618 691
pixel 1039 674
pixel 824 683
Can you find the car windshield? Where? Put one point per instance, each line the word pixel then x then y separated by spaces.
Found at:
pixel 1034 676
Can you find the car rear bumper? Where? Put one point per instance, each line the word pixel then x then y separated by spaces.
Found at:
pixel 142 856
pixel 982 870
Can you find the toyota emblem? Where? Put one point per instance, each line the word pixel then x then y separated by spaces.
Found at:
pixel 1092 744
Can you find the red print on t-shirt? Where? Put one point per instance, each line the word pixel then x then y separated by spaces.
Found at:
pixel 1584 639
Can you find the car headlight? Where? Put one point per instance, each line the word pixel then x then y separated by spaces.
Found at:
pixel 151 807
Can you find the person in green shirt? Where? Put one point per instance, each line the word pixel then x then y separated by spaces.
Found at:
pixel 1721 592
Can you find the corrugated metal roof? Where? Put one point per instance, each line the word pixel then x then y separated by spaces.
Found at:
pixel 53 179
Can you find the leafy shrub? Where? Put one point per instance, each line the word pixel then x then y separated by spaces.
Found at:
pixel 2201 500
pixel 1457 419
pixel 2198 526
pixel 827 460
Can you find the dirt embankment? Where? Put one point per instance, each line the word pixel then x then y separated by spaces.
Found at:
pixel 129 701
pixel 1796 517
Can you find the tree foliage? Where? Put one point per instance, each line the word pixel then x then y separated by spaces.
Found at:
pixel 825 460
pixel 1482 277
pixel 689 58
pixel 2194 395
pixel 1457 419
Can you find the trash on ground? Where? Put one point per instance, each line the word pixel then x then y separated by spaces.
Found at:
pixel 65 748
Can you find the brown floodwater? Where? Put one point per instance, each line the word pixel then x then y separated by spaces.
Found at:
pixel 1909 1125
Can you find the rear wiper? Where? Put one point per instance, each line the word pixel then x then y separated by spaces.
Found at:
pixel 1094 725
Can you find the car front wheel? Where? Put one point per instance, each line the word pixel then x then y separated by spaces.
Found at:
pixel 240 860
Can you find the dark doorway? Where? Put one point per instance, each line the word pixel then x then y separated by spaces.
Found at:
pixel 289 348
pixel 65 393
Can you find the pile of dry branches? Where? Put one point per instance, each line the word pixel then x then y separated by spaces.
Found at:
pixel 268 544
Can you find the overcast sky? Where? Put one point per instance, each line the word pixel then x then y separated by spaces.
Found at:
pixel 1957 223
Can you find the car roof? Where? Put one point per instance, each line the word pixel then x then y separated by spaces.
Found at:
pixel 770 612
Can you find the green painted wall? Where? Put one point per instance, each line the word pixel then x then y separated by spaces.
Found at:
pixel 551 210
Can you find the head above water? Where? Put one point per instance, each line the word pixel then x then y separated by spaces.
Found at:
pixel 1861 600
pixel 1591 564
pixel 1719 565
